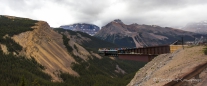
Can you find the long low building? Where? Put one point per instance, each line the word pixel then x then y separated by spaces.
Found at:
pixel 144 54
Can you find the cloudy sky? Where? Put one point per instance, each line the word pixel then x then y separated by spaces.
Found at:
pixel 169 13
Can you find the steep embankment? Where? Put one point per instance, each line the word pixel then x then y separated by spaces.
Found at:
pixel 178 68
pixel 46 46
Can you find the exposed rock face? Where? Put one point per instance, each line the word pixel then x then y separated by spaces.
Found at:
pixel 4 48
pixel 83 27
pixel 182 68
pixel 46 46
pixel 119 70
pixel 198 27
pixel 135 35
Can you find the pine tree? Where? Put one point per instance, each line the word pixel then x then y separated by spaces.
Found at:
pixel 22 82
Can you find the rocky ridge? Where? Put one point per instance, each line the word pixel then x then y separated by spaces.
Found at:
pixel 135 35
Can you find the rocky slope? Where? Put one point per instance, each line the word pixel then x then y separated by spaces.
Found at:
pixel 198 27
pixel 46 47
pixel 182 68
pixel 136 35
pixel 83 27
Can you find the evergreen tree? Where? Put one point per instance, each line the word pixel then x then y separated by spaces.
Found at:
pixel 22 83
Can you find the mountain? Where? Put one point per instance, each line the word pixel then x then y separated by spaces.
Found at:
pixel 198 27
pixel 83 27
pixel 135 35
pixel 33 53
pixel 185 67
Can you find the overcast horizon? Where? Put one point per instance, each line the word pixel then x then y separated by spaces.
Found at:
pixel 165 13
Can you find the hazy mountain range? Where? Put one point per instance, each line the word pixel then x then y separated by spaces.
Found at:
pixel 198 27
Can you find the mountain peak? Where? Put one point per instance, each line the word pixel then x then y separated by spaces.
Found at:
pixel 118 21
pixel 90 29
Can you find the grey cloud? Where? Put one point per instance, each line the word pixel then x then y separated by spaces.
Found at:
pixel 159 12
pixel 22 5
